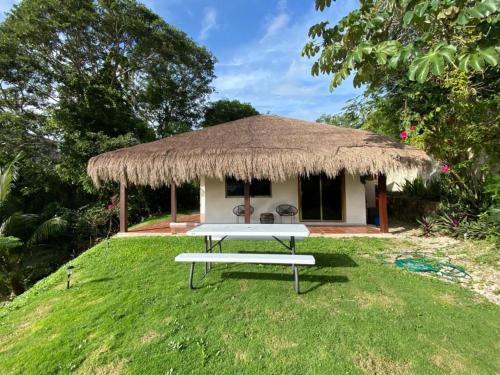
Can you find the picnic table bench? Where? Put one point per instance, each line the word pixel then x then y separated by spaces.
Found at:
pixel 221 232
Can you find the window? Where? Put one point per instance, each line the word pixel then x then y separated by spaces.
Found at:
pixel 258 188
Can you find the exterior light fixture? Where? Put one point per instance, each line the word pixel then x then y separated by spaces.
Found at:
pixel 69 270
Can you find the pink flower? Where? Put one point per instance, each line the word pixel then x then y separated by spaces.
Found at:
pixel 403 134
pixel 445 169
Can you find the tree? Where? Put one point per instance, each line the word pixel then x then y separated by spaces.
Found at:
pixel 225 110
pixel 353 114
pixel 418 37
pixel 97 75
pixel 432 79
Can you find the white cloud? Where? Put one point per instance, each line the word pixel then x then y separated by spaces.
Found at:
pixel 271 74
pixel 276 24
pixel 208 23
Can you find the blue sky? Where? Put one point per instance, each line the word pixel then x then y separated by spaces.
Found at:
pixel 257 44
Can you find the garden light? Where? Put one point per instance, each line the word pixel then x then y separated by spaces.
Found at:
pixel 69 270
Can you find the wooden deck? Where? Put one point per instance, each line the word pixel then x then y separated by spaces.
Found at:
pixel 187 222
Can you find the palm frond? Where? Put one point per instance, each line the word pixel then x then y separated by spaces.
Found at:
pixel 8 243
pixel 47 229
pixel 16 222
pixel 7 177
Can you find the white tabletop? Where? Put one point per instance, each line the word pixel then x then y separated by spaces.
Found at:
pixel 250 230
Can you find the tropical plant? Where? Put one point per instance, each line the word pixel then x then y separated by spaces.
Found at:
pixel 20 232
pixel 421 38
pixel 431 74
pixel 420 188
pixel 427 225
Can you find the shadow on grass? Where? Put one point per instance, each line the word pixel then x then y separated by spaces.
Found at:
pixel 318 280
pixel 322 259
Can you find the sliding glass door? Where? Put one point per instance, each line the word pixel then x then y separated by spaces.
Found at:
pixel 321 198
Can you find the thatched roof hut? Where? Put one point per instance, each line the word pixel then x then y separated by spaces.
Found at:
pixel 260 146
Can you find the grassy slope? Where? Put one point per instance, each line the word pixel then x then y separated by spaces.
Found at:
pixel 130 311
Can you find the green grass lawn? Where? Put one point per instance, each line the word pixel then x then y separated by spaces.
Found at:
pixel 129 311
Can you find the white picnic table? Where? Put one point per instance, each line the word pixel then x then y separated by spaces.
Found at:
pixel 251 231
pixel 282 233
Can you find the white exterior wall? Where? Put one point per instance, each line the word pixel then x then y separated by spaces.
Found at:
pixel 216 208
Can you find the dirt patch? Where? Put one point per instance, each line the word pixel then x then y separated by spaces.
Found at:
pixel 447 299
pixel 366 300
pixel 36 314
pixel 276 344
pixel 449 362
pixel 112 368
pixel 241 356
pixel 371 363
pixel 150 336
pixel 281 315
pixel 243 285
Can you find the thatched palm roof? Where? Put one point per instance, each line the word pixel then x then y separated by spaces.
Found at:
pixel 260 147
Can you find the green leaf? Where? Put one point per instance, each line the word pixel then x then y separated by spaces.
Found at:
pixel 490 56
pixel 420 9
pixel 477 62
pixel 357 55
pixel 462 18
pixel 408 17
pixel 463 64
pixel 47 229
pixel 8 243
pixel 419 70
pixel 433 61
pixel 437 65
pixel 393 61
pixel 7 177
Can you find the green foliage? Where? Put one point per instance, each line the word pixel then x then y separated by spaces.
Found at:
pixel 78 79
pixel 9 243
pixel 419 38
pixel 419 188
pixel 432 77
pixel 355 315
pixel 427 225
pixel 7 176
pixel 225 110
pixel 353 115
pixel 86 77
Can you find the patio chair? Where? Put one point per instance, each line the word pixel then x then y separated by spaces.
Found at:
pixel 287 210
pixel 240 211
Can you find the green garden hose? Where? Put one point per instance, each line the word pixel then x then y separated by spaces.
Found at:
pixel 417 263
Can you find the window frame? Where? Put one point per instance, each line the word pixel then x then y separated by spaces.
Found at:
pixel 243 195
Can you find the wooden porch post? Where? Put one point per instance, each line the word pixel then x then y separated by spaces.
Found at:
pixel 382 203
pixel 246 193
pixel 123 208
pixel 173 202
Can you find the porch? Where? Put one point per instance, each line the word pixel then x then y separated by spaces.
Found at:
pixel 187 222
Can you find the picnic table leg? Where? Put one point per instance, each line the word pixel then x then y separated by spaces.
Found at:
pixel 211 250
pixel 292 248
pixel 296 279
pixel 191 271
pixel 206 251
